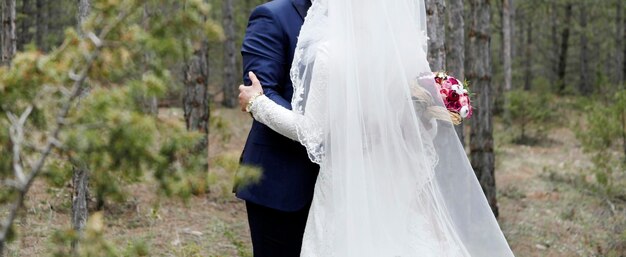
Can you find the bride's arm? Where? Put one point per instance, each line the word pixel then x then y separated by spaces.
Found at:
pixel 277 117
pixel 266 111
pixel 283 120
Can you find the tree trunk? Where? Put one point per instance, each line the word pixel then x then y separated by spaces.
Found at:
pixel 80 175
pixel 195 99
pixel 41 26
pixel 435 12
pixel 229 86
pixel 619 42
pixel 506 45
pixel 80 212
pixel 25 23
pixel 562 68
pixel 528 60
pixel 506 54
pixel 584 85
pixel 455 44
pixel 150 104
pixel 9 39
pixel 512 18
pixel 479 71
pixel 84 7
pixel 554 38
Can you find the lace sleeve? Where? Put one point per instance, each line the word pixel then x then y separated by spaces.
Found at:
pixel 287 122
pixel 304 125
pixel 276 117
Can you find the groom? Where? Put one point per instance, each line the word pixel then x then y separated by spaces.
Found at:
pixel 278 204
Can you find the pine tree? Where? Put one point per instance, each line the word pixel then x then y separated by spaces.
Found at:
pixel 80 170
pixel 435 12
pixel 479 74
pixel 455 45
pixel 9 38
pixel 107 131
pixel 229 84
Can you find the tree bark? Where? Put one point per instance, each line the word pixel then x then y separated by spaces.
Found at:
pixel 562 68
pixel 506 54
pixel 196 94
pixel 620 33
pixel 455 44
pixel 584 85
pixel 80 212
pixel 528 60
pixel 554 38
pixel 195 99
pixel 229 86
pixel 25 24
pixel 435 12
pixel 479 71
pixel 150 104
pixel 506 44
pixel 9 40
pixel 84 7
pixel 41 26
pixel 80 174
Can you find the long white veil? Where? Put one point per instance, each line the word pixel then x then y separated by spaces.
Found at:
pixel 400 183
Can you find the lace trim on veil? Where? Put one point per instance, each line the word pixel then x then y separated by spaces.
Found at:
pixel 310 133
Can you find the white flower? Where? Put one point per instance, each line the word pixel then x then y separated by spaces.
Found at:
pixel 464 112
pixel 457 89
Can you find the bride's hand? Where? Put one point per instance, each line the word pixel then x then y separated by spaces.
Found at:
pixel 248 92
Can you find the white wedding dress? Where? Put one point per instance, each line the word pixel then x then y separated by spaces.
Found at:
pixel 426 238
pixel 394 179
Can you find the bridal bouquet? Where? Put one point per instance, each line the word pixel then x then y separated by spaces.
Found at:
pixel 455 97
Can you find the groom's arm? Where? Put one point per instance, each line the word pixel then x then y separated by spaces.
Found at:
pixel 263 51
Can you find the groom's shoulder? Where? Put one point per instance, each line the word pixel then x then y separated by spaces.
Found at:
pixel 275 6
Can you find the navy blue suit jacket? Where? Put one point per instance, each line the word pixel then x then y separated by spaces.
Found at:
pixel 268 47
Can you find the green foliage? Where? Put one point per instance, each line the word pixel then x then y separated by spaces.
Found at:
pixel 243 174
pixel 242 249
pixel 181 179
pixel 603 136
pixel 529 110
pixel 221 127
pixel 106 129
pixel 93 243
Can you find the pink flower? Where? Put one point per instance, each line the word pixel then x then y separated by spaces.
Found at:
pixel 444 92
pixel 464 100
pixel 453 96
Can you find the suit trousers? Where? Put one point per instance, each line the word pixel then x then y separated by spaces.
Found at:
pixel 276 233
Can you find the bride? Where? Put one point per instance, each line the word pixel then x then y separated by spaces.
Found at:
pixel 394 179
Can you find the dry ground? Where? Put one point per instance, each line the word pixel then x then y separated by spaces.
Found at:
pixel 541 212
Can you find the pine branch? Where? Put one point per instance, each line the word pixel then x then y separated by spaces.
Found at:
pixel 53 142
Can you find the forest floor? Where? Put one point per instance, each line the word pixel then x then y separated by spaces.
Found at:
pixel 543 210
